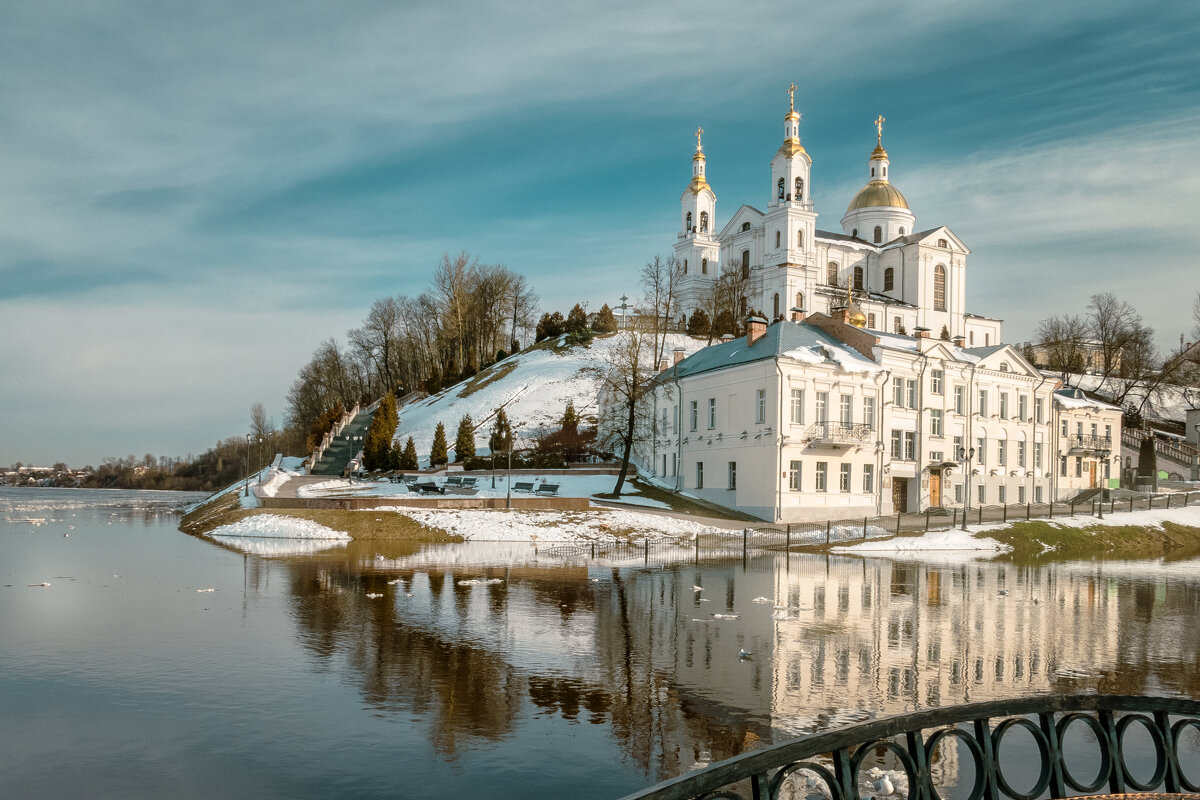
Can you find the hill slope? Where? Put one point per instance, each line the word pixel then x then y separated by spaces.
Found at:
pixel 533 386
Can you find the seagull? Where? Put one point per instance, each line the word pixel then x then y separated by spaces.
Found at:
pixel 42 585
pixel 884 786
pixel 725 616
pixel 744 654
pixel 393 583
pixel 697 588
pixel 374 595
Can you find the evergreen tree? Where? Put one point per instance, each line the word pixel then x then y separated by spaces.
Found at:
pixel 606 321
pixel 501 438
pixel 438 454
pixel 408 459
pixel 464 440
pixel 570 419
pixel 945 334
pixel 378 444
pixel 577 321
pixel 699 324
pixel 550 326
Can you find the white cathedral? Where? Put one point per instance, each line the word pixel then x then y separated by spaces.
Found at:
pixel 902 279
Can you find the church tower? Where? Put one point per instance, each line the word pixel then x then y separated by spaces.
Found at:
pixel 790 224
pixel 696 245
pixel 878 213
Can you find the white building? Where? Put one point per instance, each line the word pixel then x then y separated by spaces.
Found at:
pixel 819 419
pixel 902 278
pixel 1088 443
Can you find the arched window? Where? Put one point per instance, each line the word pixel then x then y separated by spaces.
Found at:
pixel 1004 367
pixel 688 225
pixel 885 172
pixel 854 233
pixel 685 266
pixel 777 238
pixel 745 263
pixel 704 222
pixel 780 188
pixel 799 195
pixel 872 172
pixel 939 288
pixel 943 243
pixel 799 299
pixel 901 230
pixel 831 273
pixel 776 314
pixel 878 234
pixel 889 279
pixel 800 239
pixel 704 266
pixel 858 279
pixel 745 226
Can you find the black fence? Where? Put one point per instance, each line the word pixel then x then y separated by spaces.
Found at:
pixel 837 764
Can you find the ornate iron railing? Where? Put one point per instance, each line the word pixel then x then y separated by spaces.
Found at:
pixel 830 763
pixel 1081 442
pixel 839 432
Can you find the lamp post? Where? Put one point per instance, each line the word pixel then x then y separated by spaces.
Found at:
pixel 966 455
pixel 1102 454
pixel 246 493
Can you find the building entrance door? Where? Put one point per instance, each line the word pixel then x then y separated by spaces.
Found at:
pixel 899 494
pixel 1092 474
pixel 935 488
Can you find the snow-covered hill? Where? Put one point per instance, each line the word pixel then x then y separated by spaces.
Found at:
pixel 533 386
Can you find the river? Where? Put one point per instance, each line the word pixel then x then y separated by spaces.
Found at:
pixel 499 670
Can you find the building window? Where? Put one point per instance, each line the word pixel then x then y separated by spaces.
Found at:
pixel 937 378
pixel 896 325
pixel 942 243
pixel 798 195
pixel 745 226
pixel 958 446
pixel 910 445
pixel 712 412
pixel 844 478
pixel 732 474
pixel 846 410
pixel 760 406
pixel 776 239
pixel 780 185
pixel 822 406
pixel 685 266
pixel 694 416
pixel 878 234
pixel 799 237
pixel 869 413
pixel 898 392
pixel 889 277
pixel 958 493
pixel 1021 454
pixel 704 266
pixel 897 444
pixel 663 427
pixel 688 224
pixel 939 288
pixel 1002 452
pixel 797 406
pixel 959 401
pixel 1004 405
pixel 971 338
pixel 831 271
pixel 1078 467
pixel 1003 498
pixel 981 450
pixel 1037 494
pixel 1037 410
pixel 1064 428
pixel 868 478
pixel 982 494
pixel 704 222
pixel 936 455
pixel 1037 455
pixel 1021 494
pixel 822 468
pixel 935 422
pixel 911 386
pixel 1022 408
pixel 800 300
pixel 794 476
pixel 699 474
pixel 1062 466
pixel 1004 367
pixel 901 227
pixel 776 315
pixel 858 279
pixel 871 321
pixel 982 410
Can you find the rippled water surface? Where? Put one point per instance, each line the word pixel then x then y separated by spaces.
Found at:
pixel 497 670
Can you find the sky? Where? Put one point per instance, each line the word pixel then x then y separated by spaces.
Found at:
pixel 194 195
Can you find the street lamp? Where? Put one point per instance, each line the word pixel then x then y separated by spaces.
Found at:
pixel 967 455
pixel 1102 454
pixel 249 436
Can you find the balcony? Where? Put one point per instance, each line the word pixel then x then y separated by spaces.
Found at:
pixel 839 434
pixel 1090 444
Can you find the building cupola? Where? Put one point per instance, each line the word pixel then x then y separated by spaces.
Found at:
pixel 878 213
pixel 698 201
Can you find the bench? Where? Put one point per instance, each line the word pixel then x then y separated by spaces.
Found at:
pixel 427 488
pixel 457 480
pixel 548 489
pixel 470 482
pixel 467 490
pixel 522 486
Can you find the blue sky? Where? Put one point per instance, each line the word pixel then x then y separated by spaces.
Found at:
pixel 194 195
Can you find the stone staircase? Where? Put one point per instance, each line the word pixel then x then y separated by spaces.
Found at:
pixel 344 446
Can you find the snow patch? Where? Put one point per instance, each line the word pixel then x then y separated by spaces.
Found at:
pixel 274 526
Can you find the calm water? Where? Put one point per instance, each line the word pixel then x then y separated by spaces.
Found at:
pixel 588 677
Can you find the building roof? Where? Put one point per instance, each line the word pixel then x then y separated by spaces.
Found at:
pixel 984 352
pixel 876 194
pixel 784 339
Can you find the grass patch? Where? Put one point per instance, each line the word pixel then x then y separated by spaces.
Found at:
pixel 360 525
pixel 488 376
pixel 1043 541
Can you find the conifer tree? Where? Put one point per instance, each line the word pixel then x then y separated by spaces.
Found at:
pixel 378 443
pixel 577 320
pixel 464 441
pixel 501 438
pixel 606 321
pixel 570 419
pixel 408 459
pixel 437 454
pixel 945 334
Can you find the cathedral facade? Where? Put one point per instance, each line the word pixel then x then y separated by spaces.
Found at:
pixel 901 279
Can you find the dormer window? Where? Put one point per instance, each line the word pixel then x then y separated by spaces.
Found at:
pixel 943 243
pixel 745 226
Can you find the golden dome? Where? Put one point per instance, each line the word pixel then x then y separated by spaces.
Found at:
pixel 877 193
pixel 857 318
pixel 879 153
pixel 698 185
pixel 791 147
pixel 793 114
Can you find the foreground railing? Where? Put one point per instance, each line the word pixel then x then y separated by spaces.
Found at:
pixel 831 764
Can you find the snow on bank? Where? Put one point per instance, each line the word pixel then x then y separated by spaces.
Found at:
pixel 554 526
pixel 274 526
pixel 951 540
pixel 1152 518
pixel 272 487
pixel 568 486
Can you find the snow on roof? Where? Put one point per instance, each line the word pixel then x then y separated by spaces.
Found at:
pixel 1073 398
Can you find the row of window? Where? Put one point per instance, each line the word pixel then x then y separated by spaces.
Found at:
pixel 1062 467
pixel 889 278
pixel 904 395
pixel 1079 429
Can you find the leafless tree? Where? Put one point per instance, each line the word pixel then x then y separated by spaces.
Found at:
pixel 1061 339
pixel 625 378
pixel 660 286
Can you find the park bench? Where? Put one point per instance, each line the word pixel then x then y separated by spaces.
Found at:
pixel 428 488
pixel 548 489
pixel 523 486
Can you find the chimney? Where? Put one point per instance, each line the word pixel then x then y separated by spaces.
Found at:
pixel 663 364
pixel 756 327
pixel 959 340
pixel 920 333
pixel 727 337
pixel 678 354
pixel 797 314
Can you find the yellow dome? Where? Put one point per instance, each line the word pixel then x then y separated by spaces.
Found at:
pixel 791 147
pixel 878 153
pixel 878 193
pixel 698 185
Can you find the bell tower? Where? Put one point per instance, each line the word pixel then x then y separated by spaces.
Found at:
pixel 790 224
pixel 696 245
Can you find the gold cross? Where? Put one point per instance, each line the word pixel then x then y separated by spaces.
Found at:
pixel 698 132
pixel 792 97
pixel 879 129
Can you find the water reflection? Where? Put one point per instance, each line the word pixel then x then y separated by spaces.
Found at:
pixel 640 650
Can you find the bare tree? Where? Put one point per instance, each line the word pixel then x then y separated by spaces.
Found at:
pixel 625 378
pixel 660 284
pixel 376 342
pixel 1061 339
pixel 522 307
